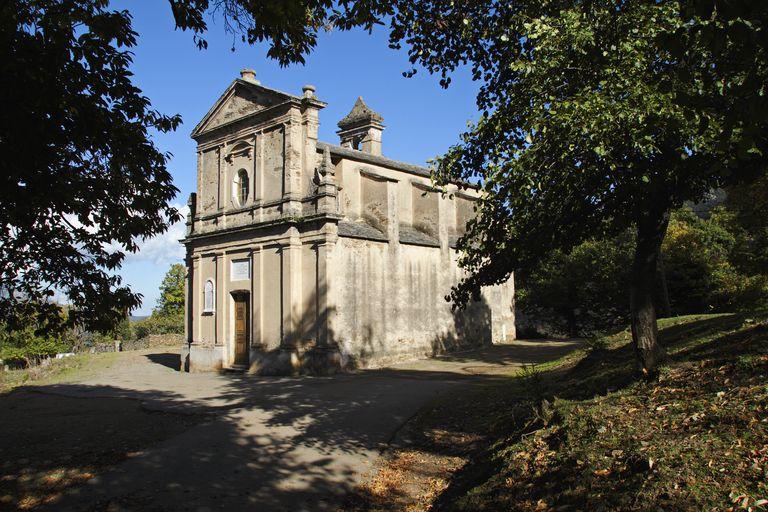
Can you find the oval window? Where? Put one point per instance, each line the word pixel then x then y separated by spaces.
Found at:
pixel 241 188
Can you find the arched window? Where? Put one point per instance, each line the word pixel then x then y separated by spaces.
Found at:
pixel 208 298
pixel 241 188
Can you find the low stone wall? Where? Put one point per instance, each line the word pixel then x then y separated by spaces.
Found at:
pixel 154 340
pixel 151 341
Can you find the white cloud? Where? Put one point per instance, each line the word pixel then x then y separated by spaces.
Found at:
pixel 163 249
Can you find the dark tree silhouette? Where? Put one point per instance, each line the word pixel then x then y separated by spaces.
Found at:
pixel 81 181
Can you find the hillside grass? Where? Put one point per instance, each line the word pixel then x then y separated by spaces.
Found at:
pixel 583 433
pixel 54 371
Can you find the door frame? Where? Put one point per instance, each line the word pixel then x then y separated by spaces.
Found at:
pixel 244 297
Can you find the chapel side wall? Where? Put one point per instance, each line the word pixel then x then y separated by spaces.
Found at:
pixel 389 296
pixel 391 305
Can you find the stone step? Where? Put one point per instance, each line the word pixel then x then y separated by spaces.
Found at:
pixel 236 369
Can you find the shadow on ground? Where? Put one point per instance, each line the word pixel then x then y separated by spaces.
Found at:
pixel 167 359
pixel 171 441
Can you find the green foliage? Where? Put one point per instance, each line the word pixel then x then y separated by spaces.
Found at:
pixel 749 204
pixel 171 301
pixel 168 316
pixel 289 26
pixel 123 331
pixel 26 346
pixel 708 266
pixel 705 266
pixel 592 124
pixel 81 179
pixel 159 324
pixel 580 291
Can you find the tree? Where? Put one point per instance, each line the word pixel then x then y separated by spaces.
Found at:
pixel 171 301
pixel 709 268
pixel 81 181
pixel 748 205
pixel 595 119
pixel 596 116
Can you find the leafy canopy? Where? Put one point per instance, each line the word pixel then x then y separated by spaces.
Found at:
pixel 81 181
pixel 596 116
pixel 595 119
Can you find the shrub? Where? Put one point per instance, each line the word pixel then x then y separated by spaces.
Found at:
pixel 159 324
pixel 25 347
pixel 711 265
pixel 702 258
pixel 581 291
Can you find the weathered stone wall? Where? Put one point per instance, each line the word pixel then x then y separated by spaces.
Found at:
pixel 208 187
pixel 390 306
pixel 274 161
pixel 425 210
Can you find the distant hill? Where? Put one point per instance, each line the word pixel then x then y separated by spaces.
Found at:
pixel 136 318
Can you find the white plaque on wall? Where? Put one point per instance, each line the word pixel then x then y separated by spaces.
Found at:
pixel 241 270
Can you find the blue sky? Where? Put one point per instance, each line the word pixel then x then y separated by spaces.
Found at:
pixel 422 119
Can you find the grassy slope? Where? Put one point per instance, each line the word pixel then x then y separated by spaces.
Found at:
pixel 69 369
pixel 585 435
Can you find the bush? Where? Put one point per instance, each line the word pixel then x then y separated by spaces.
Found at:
pixel 25 348
pixel 123 331
pixel 702 259
pixel 582 291
pixel 159 324
pixel 711 265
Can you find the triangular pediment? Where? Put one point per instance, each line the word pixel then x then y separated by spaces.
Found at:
pixel 241 99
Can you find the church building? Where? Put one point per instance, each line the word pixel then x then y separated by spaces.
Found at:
pixel 310 257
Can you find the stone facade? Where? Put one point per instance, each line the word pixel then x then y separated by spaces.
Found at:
pixel 304 256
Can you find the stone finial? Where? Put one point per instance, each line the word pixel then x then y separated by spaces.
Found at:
pixel 326 166
pixel 327 189
pixel 249 75
pixel 309 91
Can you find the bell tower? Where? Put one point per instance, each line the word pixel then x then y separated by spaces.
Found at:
pixel 361 129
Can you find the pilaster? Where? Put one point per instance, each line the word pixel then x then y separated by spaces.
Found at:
pixel 291 291
pixel 445 209
pixel 294 162
pixel 220 196
pixel 310 121
pixel 256 307
pixel 326 307
pixel 220 308
pixel 393 221
pixel 189 308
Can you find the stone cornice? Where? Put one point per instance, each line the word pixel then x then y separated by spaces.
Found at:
pixel 281 221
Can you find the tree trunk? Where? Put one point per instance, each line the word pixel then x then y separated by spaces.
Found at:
pixel 651 228
pixel 665 307
pixel 572 329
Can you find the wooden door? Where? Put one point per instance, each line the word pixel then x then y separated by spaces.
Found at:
pixel 241 330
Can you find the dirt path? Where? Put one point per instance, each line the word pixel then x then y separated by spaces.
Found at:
pixel 213 442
